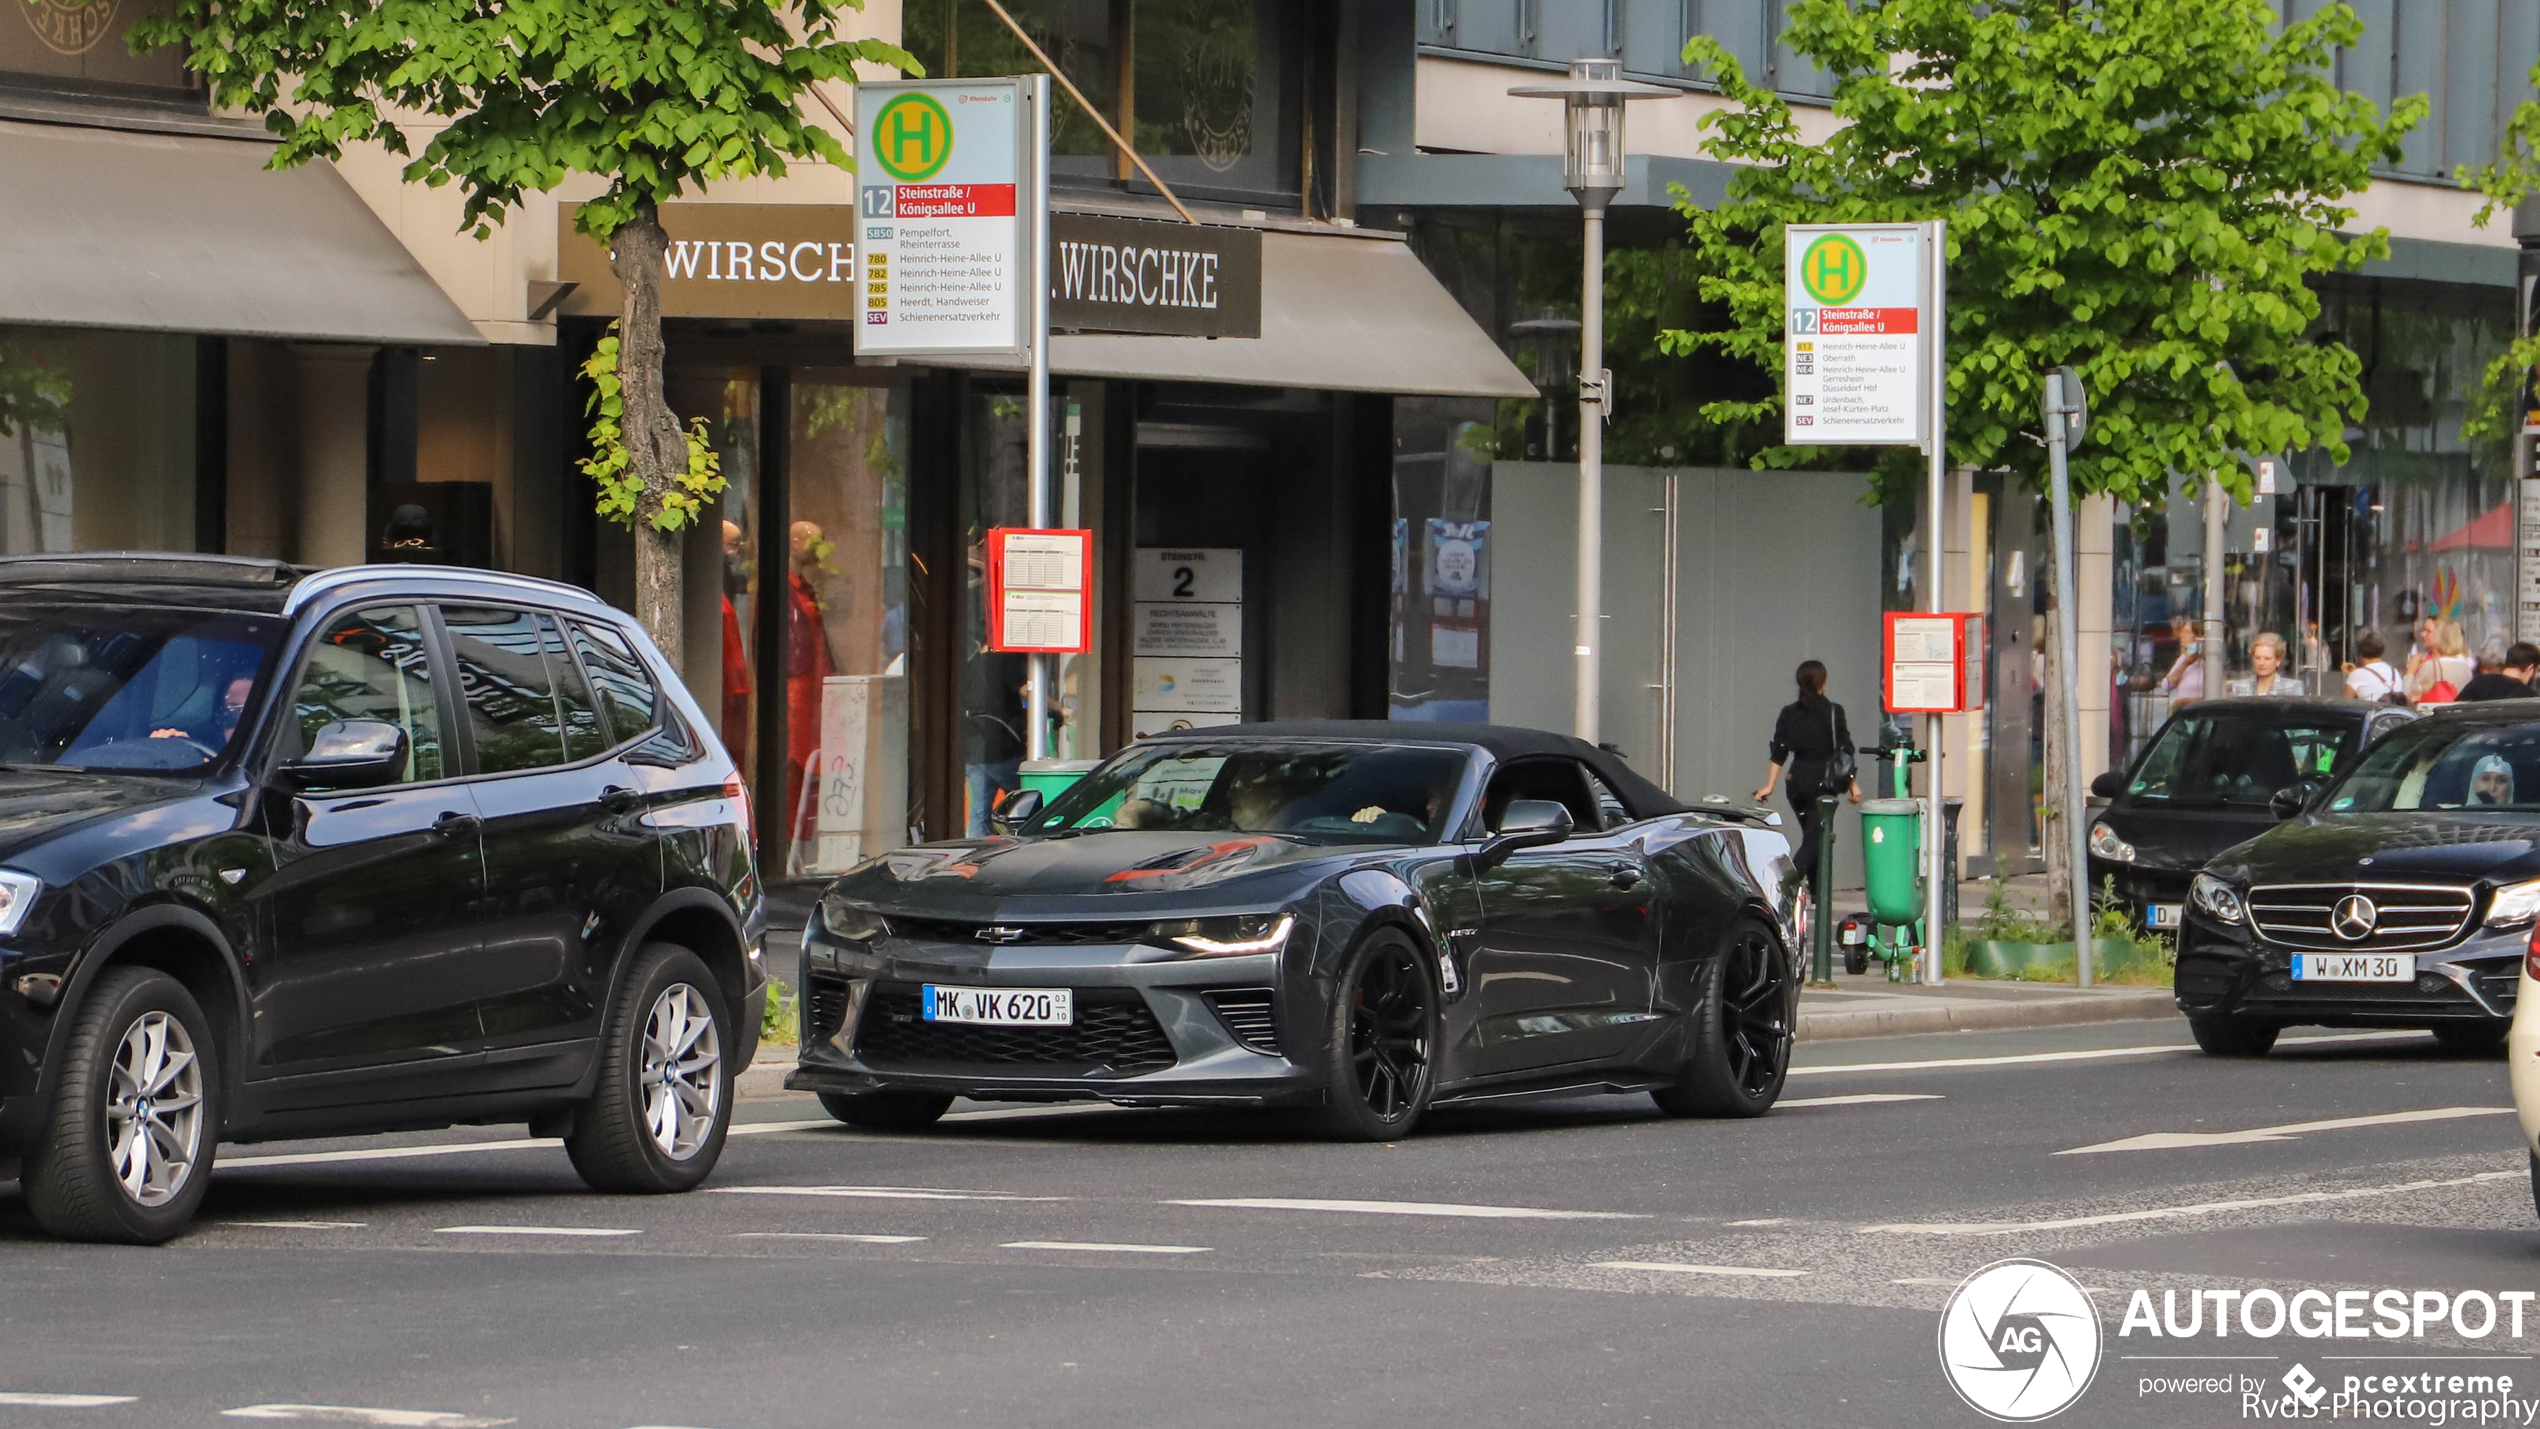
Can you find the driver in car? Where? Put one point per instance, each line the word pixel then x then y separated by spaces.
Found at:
pixel 224 717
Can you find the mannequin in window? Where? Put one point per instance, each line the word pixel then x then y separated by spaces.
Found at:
pixel 807 665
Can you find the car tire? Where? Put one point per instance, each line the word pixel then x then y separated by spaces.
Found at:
pixel 886 1111
pixel 139 1049
pixel 2227 1036
pixel 2471 1036
pixel 1381 1043
pixel 657 1120
pixel 1742 1024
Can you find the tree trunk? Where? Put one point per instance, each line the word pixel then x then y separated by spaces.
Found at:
pixel 2053 830
pixel 657 449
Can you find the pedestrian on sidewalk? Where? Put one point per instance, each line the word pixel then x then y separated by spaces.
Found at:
pixel 2186 679
pixel 2266 659
pixel 2439 679
pixel 2513 682
pixel 2374 679
pixel 1812 743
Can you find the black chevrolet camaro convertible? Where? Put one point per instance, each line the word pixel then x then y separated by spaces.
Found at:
pixel 1363 919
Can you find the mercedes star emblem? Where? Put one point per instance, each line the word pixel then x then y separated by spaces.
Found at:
pixel 2355 918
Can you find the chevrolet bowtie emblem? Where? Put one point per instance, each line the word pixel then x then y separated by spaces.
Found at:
pixel 998 935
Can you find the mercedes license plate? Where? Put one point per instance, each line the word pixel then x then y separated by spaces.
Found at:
pixel 2163 915
pixel 1000 1006
pixel 2354 967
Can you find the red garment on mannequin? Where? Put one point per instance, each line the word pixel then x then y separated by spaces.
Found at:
pixel 736 687
pixel 806 666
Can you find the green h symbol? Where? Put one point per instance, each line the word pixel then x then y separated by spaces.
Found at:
pixel 910 125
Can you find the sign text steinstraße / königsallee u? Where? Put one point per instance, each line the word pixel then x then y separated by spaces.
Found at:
pixel 1857 349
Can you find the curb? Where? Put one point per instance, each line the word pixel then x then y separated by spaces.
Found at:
pixel 764 1079
pixel 1954 1016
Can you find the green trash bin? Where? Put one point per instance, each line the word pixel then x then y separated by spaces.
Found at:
pixel 1053 777
pixel 1891 862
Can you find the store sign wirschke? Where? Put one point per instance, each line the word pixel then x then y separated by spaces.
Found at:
pixel 1857 350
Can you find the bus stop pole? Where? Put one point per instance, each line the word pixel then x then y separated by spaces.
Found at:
pixel 1935 481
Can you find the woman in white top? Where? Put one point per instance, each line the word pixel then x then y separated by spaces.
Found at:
pixel 2373 679
pixel 2439 680
pixel 2266 658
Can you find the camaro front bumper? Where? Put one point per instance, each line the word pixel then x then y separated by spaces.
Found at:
pixel 1148 1029
pixel 2229 972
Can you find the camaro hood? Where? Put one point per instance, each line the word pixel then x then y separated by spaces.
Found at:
pixel 979 878
pixel 38 804
pixel 2445 847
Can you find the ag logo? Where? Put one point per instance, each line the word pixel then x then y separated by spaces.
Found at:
pixel 70 27
pixel 912 137
pixel 2019 1341
pixel 1834 269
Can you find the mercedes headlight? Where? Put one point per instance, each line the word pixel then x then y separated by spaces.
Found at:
pixel 2104 843
pixel 850 924
pixel 2216 899
pixel 2514 904
pixel 1229 937
pixel 17 895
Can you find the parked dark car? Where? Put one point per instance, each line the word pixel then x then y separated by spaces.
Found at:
pixel 1362 918
pixel 2209 779
pixel 2404 896
pixel 379 848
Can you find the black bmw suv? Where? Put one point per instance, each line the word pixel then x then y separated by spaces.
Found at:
pixel 2405 894
pixel 378 848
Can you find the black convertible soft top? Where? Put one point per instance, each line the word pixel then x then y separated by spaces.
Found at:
pixel 1501 741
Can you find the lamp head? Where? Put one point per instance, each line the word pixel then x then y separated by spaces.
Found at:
pixel 1592 101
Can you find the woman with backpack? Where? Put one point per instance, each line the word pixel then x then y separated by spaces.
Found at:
pixel 2373 679
pixel 2439 679
pixel 1812 741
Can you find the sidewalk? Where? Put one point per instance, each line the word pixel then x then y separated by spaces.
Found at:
pixel 1871 1006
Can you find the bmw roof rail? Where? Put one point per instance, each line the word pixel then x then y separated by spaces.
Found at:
pixel 336 577
pixel 171 567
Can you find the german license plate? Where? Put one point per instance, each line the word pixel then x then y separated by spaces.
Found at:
pixel 1001 1006
pixel 2354 967
pixel 2163 915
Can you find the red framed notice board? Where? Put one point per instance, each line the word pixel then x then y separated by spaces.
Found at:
pixel 1036 591
pixel 1932 663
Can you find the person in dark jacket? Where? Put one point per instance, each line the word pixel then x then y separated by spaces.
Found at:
pixel 2513 682
pixel 1806 737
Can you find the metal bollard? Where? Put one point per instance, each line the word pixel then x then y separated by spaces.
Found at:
pixel 1821 970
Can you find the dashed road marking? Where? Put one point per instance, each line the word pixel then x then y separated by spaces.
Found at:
pixel 2201 1208
pixel 387 1153
pixel 292 1225
pixel 879 1193
pixel 1411 1208
pixel 2176 1140
pixel 1671 1267
pixel 350 1414
pixel 828 1235
pixel 35 1400
pixel 1858 1099
pixel 1767 1221
pixel 595 1231
pixel 2019 1059
pixel 1096 1245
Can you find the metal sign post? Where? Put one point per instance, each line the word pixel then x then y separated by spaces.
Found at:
pixel 1937 874
pixel 2066 412
pixel 1036 89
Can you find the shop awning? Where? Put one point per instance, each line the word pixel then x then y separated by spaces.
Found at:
pixel 2493 531
pixel 1340 312
pixel 185 233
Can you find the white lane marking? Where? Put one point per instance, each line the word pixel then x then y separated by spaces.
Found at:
pixel 828 1235
pixel 292 1225
pixel 1671 1267
pixel 762 1128
pixel 349 1414
pixel 532 1230
pixel 2173 1140
pixel 1412 1208
pixel 2085 1055
pixel 1013 1113
pixel 2202 1208
pixel 879 1193
pixel 387 1153
pixel 1769 1221
pixel 34 1400
pixel 1859 1099
pixel 1103 1245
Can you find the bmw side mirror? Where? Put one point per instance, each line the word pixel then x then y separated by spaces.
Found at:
pixel 1528 823
pixel 350 754
pixel 2108 785
pixel 1020 808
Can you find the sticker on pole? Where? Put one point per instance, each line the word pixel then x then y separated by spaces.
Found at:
pixel 1855 357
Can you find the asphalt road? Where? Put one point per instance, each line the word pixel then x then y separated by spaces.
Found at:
pixel 1576 1262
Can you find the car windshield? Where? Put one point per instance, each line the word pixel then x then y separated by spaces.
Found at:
pixel 2222 756
pixel 1317 791
pixel 2446 764
pixel 120 687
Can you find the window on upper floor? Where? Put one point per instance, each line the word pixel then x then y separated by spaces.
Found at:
pixel 1647 35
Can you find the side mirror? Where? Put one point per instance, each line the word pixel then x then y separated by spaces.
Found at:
pixel 1020 807
pixel 2108 785
pixel 350 754
pixel 1528 823
pixel 2289 801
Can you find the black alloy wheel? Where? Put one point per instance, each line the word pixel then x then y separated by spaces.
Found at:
pixel 1745 1017
pixel 1384 1043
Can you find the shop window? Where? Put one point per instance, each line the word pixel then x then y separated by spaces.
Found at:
pixel 96 441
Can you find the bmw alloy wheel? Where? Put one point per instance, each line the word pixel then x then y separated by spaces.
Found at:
pixel 154 1109
pixel 681 1081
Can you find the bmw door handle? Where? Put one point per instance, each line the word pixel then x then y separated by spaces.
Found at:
pixel 617 798
pixel 453 824
pixel 1624 875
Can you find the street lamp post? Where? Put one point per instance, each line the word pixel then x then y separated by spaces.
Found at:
pixel 1592 170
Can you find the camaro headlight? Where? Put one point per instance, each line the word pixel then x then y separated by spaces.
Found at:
pixel 2105 843
pixel 2215 899
pixel 2514 904
pixel 17 895
pixel 1230 937
pixel 849 923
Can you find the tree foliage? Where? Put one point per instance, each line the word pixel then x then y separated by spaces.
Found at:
pixel 608 465
pixel 2509 182
pixel 2141 189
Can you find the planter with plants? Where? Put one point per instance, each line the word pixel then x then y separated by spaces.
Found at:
pixel 2011 943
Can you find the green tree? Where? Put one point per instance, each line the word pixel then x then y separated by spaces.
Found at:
pixel 657 97
pixel 2513 379
pixel 2141 189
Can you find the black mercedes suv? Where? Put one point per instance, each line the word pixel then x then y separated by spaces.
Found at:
pixel 2404 894
pixel 289 853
